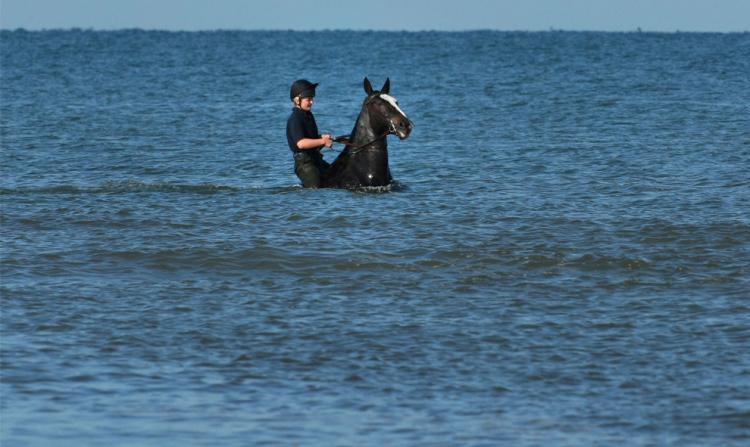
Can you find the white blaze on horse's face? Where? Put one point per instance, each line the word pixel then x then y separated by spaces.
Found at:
pixel 393 102
pixel 400 126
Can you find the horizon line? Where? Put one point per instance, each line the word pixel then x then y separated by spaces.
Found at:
pixel 426 30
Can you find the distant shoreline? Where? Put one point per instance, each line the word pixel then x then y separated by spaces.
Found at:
pixel 466 31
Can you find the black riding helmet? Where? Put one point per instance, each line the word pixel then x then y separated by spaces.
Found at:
pixel 302 88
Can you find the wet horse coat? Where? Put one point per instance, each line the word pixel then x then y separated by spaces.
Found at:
pixel 364 160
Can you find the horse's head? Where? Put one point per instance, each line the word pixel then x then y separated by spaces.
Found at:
pixel 385 107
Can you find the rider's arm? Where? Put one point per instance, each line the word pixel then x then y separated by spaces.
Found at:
pixel 315 143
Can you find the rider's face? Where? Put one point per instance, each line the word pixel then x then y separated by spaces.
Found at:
pixel 306 104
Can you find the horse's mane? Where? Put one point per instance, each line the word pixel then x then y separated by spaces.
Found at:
pixel 354 129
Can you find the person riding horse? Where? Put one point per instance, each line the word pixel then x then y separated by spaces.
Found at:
pixel 364 160
pixel 303 136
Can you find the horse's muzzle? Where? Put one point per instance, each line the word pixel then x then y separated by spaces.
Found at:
pixel 402 127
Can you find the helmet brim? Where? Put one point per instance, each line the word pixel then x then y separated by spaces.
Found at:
pixel 303 89
pixel 309 93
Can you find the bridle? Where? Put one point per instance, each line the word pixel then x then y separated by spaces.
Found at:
pixel 353 149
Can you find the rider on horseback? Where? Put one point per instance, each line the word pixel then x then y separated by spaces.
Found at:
pixel 303 137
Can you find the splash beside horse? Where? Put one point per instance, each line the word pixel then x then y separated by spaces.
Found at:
pixel 364 160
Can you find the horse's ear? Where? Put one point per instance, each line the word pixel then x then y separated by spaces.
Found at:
pixel 386 87
pixel 368 87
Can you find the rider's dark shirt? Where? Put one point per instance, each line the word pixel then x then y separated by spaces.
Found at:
pixel 300 125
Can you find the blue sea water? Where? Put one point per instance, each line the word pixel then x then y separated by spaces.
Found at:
pixel 565 259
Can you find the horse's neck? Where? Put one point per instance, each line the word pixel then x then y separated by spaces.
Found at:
pixel 367 129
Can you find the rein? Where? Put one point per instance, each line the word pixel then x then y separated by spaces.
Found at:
pixel 344 139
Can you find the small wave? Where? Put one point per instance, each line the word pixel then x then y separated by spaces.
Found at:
pixel 132 186
pixel 394 186
pixel 603 262
pixel 210 258
pixel 135 186
pixel 123 187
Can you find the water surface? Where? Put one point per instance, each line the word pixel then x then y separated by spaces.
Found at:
pixel 563 262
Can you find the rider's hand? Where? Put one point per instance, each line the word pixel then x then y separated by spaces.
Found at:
pixel 327 140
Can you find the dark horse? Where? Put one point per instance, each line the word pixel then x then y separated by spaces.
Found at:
pixel 364 160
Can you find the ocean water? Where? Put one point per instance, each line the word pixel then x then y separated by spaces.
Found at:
pixel 564 261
